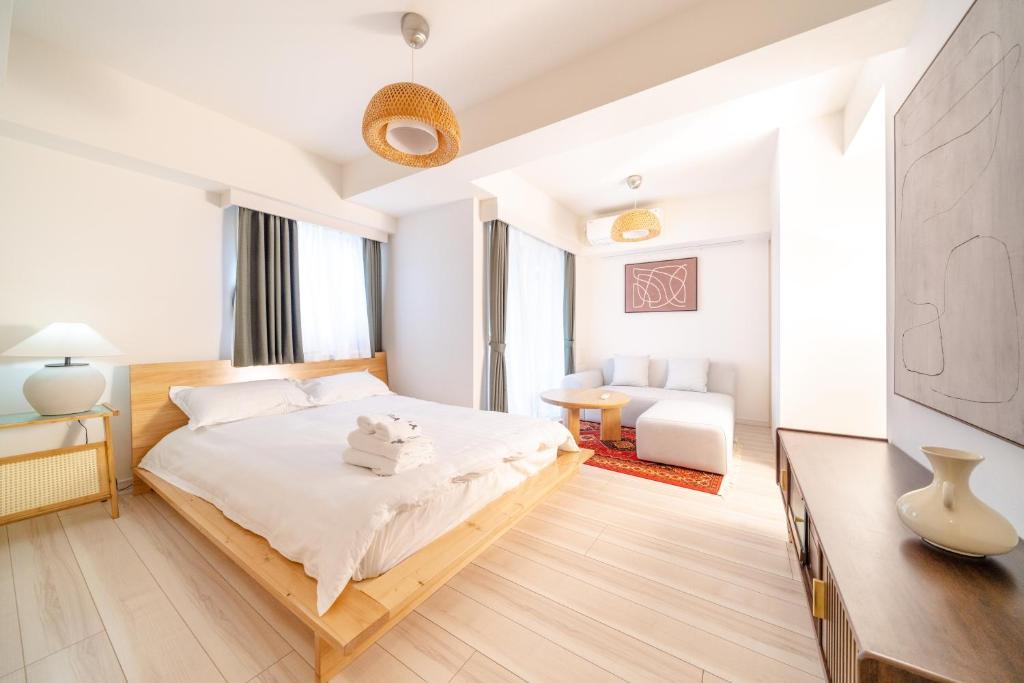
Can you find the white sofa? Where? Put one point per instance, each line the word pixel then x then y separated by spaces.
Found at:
pixel 686 428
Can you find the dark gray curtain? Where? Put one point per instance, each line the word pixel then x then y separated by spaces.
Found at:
pixel 497 247
pixel 372 275
pixel 267 327
pixel 569 312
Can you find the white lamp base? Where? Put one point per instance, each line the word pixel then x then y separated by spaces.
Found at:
pixel 64 389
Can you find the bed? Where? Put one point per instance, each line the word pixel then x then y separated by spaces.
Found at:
pixel 406 537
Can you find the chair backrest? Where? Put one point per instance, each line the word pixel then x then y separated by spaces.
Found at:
pixel 721 376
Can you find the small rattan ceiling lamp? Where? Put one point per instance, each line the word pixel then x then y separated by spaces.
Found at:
pixel 408 123
pixel 636 225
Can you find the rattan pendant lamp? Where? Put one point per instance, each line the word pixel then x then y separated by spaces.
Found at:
pixel 636 225
pixel 408 123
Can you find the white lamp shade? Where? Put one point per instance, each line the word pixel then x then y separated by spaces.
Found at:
pixel 411 136
pixel 61 340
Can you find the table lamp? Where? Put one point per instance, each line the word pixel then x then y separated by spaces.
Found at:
pixel 64 388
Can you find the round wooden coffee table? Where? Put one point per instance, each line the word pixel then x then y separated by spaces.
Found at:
pixel 573 400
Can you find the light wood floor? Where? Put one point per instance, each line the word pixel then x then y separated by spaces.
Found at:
pixel 615 578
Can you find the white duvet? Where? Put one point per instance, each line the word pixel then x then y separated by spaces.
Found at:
pixel 283 477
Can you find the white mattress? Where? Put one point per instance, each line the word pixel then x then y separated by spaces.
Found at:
pixel 283 478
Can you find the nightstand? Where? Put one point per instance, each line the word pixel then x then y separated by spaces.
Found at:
pixel 36 483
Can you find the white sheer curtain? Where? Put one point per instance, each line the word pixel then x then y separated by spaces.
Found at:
pixel 332 294
pixel 534 339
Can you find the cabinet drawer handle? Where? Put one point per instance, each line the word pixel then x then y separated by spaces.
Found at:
pixel 818 599
pixel 784 481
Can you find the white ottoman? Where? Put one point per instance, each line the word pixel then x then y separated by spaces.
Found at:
pixel 694 432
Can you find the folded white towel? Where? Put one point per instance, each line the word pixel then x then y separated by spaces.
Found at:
pixel 380 465
pixel 387 427
pixel 395 450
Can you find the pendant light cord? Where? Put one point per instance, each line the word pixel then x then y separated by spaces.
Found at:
pixel 412 65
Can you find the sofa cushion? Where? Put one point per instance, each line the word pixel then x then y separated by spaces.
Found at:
pixel 630 371
pixel 642 398
pixel 721 376
pixel 687 374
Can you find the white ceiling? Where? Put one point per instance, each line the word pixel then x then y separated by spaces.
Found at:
pixel 726 147
pixel 304 69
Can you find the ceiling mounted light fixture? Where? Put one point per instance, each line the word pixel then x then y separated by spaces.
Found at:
pixel 636 225
pixel 408 123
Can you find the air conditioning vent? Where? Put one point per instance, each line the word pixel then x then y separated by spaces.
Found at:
pixel 599 230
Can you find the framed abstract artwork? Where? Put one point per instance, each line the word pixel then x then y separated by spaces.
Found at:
pixel 662 286
pixel 959 226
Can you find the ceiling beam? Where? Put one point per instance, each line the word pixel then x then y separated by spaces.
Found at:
pixel 658 73
pixel 235 197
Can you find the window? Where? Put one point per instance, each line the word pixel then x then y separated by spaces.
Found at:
pixel 332 294
pixel 534 328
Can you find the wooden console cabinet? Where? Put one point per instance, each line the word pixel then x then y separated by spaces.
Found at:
pixel 886 607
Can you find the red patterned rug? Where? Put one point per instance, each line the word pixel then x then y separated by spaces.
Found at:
pixel 620 456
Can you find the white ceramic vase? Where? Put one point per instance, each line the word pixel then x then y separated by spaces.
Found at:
pixel 947 514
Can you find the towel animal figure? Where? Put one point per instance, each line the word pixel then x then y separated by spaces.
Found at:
pixel 388 427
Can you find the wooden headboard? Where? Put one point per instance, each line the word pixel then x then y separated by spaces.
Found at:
pixel 154 416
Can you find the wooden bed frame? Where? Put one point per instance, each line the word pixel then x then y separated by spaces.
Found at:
pixel 366 609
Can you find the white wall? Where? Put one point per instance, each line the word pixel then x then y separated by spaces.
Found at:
pixel 732 320
pixel 774 218
pixel 137 258
pixel 432 305
pixel 998 479
pixel 831 264
pixel 479 315
pixel 869 83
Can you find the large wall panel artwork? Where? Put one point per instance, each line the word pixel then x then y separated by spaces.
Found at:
pixel 662 286
pixel 959 259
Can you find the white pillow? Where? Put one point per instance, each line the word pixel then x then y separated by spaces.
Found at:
pixel 231 402
pixel 688 374
pixel 347 386
pixel 630 371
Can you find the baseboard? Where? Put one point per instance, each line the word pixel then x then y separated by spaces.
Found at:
pixel 123 484
pixel 752 423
